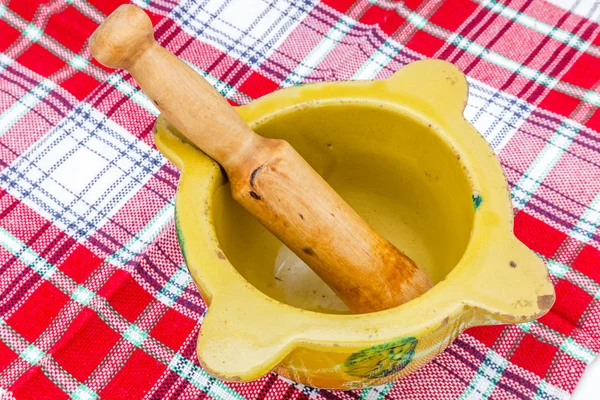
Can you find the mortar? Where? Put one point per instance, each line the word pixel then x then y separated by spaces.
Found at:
pixel 400 152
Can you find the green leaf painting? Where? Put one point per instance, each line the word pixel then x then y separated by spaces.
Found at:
pixel 381 360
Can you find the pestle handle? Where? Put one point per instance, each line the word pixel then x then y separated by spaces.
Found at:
pixel 125 40
pixel 267 176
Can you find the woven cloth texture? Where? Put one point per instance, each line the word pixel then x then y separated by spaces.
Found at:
pixel 95 297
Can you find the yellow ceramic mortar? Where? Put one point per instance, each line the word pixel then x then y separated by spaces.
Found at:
pixel 401 153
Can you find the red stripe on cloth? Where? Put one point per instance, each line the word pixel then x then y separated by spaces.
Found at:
pixel 594 121
pixel 425 43
pixel 85 343
pixel 486 335
pixel 7 356
pixel 340 5
pixel 587 263
pixel 174 338
pixel 26 9
pixel 559 103
pixel 135 378
pixel 9 35
pixel 107 6
pixel 125 295
pixel 35 385
pixel 40 60
pixel 392 23
pixel 80 28
pixel 557 323
pixel 538 235
pixel 80 264
pixel 534 355
pixel 38 310
pixel 578 301
pixel 255 85
pixel 584 72
pixel 376 15
pixel 453 13
pixel 80 85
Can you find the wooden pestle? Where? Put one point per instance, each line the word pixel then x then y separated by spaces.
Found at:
pixel 268 177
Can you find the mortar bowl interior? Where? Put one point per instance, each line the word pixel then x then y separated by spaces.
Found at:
pixel 393 167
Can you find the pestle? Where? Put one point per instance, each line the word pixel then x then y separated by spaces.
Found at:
pixel 267 176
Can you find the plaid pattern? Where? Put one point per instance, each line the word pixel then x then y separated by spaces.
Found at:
pixel 95 298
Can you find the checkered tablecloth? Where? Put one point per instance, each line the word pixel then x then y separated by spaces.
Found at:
pixel 95 298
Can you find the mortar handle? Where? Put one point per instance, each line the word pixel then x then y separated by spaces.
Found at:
pixel 125 40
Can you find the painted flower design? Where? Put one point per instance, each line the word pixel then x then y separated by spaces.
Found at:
pixel 382 360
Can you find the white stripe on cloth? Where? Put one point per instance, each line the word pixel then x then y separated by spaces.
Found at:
pixel 81 172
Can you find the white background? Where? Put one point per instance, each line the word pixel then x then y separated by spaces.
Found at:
pixel 589 386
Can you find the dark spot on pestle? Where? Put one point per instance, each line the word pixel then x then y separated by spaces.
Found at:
pixel 253 175
pixel 308 251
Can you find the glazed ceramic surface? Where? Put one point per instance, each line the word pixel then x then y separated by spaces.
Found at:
pixel 401 154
